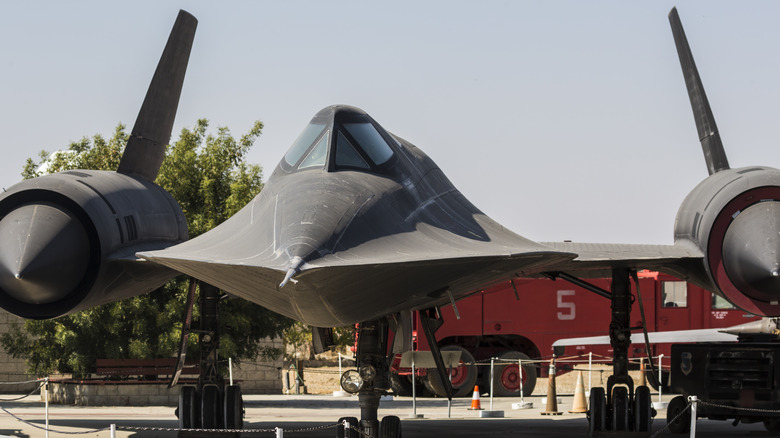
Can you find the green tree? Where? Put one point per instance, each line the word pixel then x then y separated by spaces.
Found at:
pixel 209 177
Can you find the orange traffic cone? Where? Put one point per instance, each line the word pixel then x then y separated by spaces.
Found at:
pixel 475 406
pixel 579 405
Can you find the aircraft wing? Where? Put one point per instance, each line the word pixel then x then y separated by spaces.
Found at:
pixel 596 260
pixel 398 271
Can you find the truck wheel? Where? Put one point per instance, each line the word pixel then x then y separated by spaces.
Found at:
pixel 772 424
pixel 507 376
pixel 683 423
pixel 464 377
pixel 402 385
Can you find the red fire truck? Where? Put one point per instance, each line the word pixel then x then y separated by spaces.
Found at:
pixel 521 319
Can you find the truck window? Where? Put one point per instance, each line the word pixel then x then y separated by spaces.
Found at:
pixel 720 303
pixel 675 293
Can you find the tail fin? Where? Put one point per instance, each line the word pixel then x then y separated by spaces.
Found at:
pixel 702 113
pixel 152 130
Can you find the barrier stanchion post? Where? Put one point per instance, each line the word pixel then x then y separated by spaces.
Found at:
pixel 520 376
pixel 112 431
pixel 660 376
pixel 414 387
pixel 590 371
pixel 492 359
pixel 230 370
pixel 693 399
pixel 46 398
pixel 491 413
pixel 449 400
pixel 280 431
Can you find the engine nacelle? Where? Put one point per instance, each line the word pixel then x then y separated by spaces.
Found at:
pixel 734 218
pixel 68 241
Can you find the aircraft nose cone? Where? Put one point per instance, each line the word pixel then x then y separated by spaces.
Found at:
pixel 751 251
pixel 44 253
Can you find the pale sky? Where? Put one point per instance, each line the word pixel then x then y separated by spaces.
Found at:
pixel 559 119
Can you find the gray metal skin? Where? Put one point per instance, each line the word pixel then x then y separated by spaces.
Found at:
pixel 351 245
pixel 69 239
pixel 357 244
pixel 119 215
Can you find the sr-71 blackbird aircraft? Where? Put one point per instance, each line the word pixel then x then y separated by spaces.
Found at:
pixel 357 225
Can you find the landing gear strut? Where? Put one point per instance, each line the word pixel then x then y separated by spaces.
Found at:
pixel 371 381
pixel 620 408
pixel 211 404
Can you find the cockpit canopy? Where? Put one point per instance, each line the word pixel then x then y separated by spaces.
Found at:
pixel 341 138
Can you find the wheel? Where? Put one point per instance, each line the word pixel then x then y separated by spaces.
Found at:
pixel 401 384
pixel 390 427
pixel 209 407
pixel 683 423
pixel 464 377
pixel 772 424
pixel 349 433
pixel 188 408
pixel 642 409
pixel 507 376
pixel 619 408
pixel 597 410
pixel 233 408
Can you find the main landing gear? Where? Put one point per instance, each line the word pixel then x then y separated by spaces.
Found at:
pixel 211 404
pixel 620 408
pixel 370 381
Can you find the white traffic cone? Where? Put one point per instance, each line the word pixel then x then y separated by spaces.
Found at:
pixel 579 405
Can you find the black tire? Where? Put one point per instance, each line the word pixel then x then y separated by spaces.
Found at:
pixel 597 410
pixel 188 408
pixel 350 433
pixel 772 424
pixel 401 384
pixel 507 377
pixel 233 408
pixel 643 409
pixel 619 408
pixel 464 377
pixel 210 407
pixel 390 427
pixel 683 423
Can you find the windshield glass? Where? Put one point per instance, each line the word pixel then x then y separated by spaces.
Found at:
pixel 316 157
pixel 309 135
pixel 346 155
pixel 371 141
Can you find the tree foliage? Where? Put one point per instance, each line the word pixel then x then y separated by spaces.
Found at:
pixel 209 177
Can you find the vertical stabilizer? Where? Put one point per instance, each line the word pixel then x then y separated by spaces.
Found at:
pixel 702 113
pixel 152 130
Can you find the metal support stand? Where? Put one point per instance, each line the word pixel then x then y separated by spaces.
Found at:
pixel 209 339
pixel 620 409
pixel 372 358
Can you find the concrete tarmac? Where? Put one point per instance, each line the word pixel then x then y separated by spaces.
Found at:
pixel 316 415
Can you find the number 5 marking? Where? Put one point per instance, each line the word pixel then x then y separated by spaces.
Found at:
pixel 571 314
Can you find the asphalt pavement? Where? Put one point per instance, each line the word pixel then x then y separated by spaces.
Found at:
pixel 316 416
